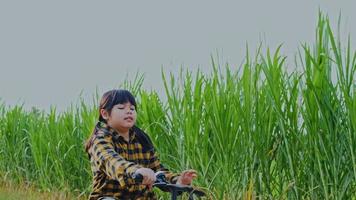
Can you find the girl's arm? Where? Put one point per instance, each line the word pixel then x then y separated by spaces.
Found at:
pixel 106 158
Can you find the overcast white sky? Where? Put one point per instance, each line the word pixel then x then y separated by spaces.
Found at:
pixel 50 51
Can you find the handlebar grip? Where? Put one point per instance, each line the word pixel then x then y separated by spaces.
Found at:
pixel 138 178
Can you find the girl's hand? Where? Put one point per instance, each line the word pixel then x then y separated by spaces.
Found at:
pixel 149 176
pixel 187 177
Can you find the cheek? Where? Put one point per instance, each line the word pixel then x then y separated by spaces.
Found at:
pixel 117 115
pixel 135 117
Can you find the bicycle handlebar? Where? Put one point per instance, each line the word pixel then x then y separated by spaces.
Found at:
pixel 174 189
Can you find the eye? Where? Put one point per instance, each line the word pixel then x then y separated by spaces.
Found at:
pixel 133 108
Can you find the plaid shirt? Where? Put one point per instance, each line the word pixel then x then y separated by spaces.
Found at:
pixel 114 160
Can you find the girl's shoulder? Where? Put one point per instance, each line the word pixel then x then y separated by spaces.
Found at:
pixel 103 134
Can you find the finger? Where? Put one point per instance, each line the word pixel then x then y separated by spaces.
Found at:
pixel 144 182
pixel 190 175
pixel 147 182
pixel 193 174
pixel 152 179
pixel 190 171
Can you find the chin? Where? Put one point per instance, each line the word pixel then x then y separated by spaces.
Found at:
pixel 129 125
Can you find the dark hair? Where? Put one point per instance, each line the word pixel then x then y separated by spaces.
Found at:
pixel 114 97
pixel 107 102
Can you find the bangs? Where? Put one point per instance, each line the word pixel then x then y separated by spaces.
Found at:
pixel 115 97
pixel 123 96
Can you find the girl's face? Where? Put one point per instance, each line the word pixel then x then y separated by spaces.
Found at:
pixel 122 117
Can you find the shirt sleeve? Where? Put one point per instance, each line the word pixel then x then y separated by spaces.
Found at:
pixel 156 165
pixel 107 159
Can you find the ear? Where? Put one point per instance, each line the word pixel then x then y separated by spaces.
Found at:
pixel 104 114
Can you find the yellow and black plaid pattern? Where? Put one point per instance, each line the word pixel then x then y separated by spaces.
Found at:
pixel 114 160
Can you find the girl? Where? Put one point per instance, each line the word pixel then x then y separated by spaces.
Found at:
pixel 117 149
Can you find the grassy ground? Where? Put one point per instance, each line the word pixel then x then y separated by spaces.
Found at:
pixel 9 191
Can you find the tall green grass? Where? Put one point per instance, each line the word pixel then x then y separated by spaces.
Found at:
pixel 254 132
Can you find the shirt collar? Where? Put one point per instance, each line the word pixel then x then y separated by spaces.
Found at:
pixel 115 134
